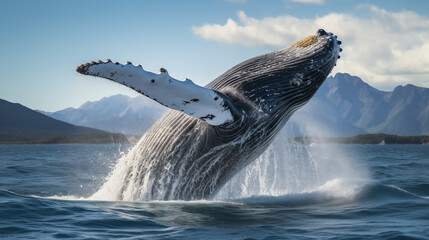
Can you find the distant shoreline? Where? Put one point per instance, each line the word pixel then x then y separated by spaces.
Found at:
pixel 91 138
pixel 373 139
pixel 117 138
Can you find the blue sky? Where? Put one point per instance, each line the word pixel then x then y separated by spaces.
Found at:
pixel 42 42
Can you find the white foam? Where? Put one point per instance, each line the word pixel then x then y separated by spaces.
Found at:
pixel 283 170
pixel 112 188
pixel 291 169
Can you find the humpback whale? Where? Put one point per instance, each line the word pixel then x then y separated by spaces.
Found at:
pixel 212 132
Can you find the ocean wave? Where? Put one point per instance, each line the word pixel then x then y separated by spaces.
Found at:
pixel 334 192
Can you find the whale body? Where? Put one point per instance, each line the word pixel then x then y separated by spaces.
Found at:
pixel 212 132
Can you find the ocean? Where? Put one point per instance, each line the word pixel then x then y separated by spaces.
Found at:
pixel 322 191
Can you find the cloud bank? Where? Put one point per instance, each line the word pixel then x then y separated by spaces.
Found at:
pixel 385 49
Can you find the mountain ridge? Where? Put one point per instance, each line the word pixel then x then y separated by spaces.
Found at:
pixel 117 113
pixel 352 103
pixel 19 124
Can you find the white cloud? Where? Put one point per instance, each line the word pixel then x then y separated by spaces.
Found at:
pixel 320 2
pixel 385 49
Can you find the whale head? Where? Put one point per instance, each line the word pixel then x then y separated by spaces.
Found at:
pixel 280 82
pixel 305 66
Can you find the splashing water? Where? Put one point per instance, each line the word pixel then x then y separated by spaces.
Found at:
pixel 289 168
pixel 112 188
pixel 283 169
pixel 134 176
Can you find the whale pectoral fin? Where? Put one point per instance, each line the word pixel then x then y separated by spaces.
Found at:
pixel 204 103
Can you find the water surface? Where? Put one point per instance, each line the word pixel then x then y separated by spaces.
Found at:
pixel 291 192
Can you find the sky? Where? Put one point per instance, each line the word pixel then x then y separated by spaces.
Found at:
pixel 385 42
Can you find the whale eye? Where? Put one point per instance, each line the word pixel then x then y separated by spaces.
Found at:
pixel 296 82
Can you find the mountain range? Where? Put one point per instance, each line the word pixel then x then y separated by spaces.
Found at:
pixel 118 113
pixel 343 106
pixel 19 124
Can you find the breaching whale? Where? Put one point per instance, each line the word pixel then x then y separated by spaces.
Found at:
pixel 214 131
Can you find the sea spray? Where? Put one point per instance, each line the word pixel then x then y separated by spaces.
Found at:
pixel 119 177
pixel 134 178
pixel 292 168
pixel 283 168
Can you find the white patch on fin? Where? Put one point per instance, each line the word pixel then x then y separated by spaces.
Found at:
pixel 196 101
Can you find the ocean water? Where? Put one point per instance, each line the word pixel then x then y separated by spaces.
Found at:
pixel 290 192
